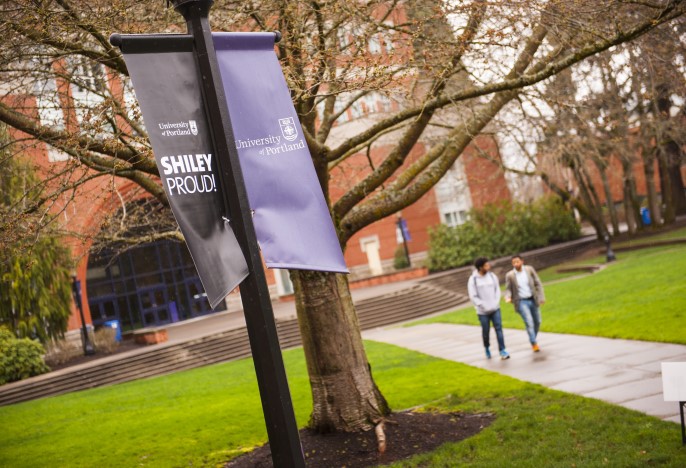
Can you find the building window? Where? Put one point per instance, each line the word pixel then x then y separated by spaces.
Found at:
pixel 49 108
pixel 375 44
pixel 50 113
pixel 89 88
pixel 455 218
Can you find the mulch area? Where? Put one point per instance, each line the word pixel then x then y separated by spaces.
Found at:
pixel 407 434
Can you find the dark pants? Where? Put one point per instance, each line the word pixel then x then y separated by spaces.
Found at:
pixel 486 328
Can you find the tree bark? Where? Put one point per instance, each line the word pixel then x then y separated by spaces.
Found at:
pixel 631 205
pixel 609 200
pixel 669 158
pixel 590 199
pixel 669 209
pixel 653 202
pixel 673 163
pixel 344 395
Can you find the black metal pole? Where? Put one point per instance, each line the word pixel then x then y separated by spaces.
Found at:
pixel 402 234
pixel 277 406
pixel 85 341
pixel 682 404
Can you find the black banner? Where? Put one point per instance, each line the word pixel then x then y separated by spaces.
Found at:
pixel 165 79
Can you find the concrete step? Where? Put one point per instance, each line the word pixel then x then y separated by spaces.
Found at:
pixel 399 306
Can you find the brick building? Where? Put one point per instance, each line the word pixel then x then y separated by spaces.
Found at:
pixel 156 283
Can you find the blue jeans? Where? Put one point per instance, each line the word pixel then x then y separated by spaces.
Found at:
pixel 486 328
pixel 531 314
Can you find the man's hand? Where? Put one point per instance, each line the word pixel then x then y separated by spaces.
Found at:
pixel 508 299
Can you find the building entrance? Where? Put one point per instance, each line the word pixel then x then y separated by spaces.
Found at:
pixel 153 284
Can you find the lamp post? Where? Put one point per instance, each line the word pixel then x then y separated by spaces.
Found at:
pixel 610 255
pixel 76 291
pixel 282 428
pixel 404 233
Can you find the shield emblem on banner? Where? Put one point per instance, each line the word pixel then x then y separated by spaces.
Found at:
pixel 193 127
pixel 288 129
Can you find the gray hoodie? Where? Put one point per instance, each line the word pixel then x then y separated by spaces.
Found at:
pixel 484 291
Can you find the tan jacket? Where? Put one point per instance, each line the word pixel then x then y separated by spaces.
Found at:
pixel 512 290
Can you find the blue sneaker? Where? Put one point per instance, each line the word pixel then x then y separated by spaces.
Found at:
pixel 488 353
pixel 504 355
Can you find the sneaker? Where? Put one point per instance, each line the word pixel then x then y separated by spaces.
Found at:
pixel 535 347
pixel 488 353
pixel 504 355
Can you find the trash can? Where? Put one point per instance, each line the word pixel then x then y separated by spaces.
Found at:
pixel 114 324
pixel 645 216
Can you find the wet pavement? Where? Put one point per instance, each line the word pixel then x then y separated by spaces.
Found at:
pixel 622 372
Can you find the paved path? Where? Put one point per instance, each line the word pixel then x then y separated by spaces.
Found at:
pixel 623 372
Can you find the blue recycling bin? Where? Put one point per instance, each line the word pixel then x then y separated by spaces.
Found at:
pixel 114 324
pixel 645 216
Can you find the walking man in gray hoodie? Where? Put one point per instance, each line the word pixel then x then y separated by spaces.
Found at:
pixel 484 292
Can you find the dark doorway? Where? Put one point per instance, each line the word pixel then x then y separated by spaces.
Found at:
pixel 149 285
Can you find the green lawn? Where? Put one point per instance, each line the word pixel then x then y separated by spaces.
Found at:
pixel 206 416
pixel 552 274
pixel 672 234
pixel 641 296
pixel 203 417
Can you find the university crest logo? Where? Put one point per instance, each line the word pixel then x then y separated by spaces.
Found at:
pixel 288 128
pixel 193 127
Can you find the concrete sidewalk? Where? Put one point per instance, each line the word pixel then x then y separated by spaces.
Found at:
pixel 623 372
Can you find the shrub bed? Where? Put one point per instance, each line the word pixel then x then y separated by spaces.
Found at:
pixel 499 230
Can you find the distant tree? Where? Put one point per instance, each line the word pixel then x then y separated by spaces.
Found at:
pixel 623 105
pixel 35 294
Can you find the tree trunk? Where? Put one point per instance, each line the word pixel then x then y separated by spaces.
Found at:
pixel 590 199
pixel 344 395
pixel 673 162
pixel 653 202
pixel 669 211
pixel 669 158
pixel 609 200
pixel 632 206
pixel 631 219
pixel 582 209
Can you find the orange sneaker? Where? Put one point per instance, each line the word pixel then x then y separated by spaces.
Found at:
pixel 535 347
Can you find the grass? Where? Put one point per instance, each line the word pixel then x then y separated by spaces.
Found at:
pixel 205 416
pixel 194 418
pixel 671 234
pixel 552 274
pixel 641 296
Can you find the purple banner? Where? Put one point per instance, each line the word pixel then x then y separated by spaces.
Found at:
pixel 292 220
pixel 165 78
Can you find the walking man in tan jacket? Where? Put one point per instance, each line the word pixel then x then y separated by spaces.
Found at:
pixel 523 288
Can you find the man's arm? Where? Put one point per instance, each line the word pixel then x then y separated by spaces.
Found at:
pixel 538 286
pixel 508 287
pixel 497 286
pixel 471 290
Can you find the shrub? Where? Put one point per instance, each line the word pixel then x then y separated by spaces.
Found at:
pixel 59 351
pixel 5 336
pixel 20 358
pixel 105 340
pixel 501 229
